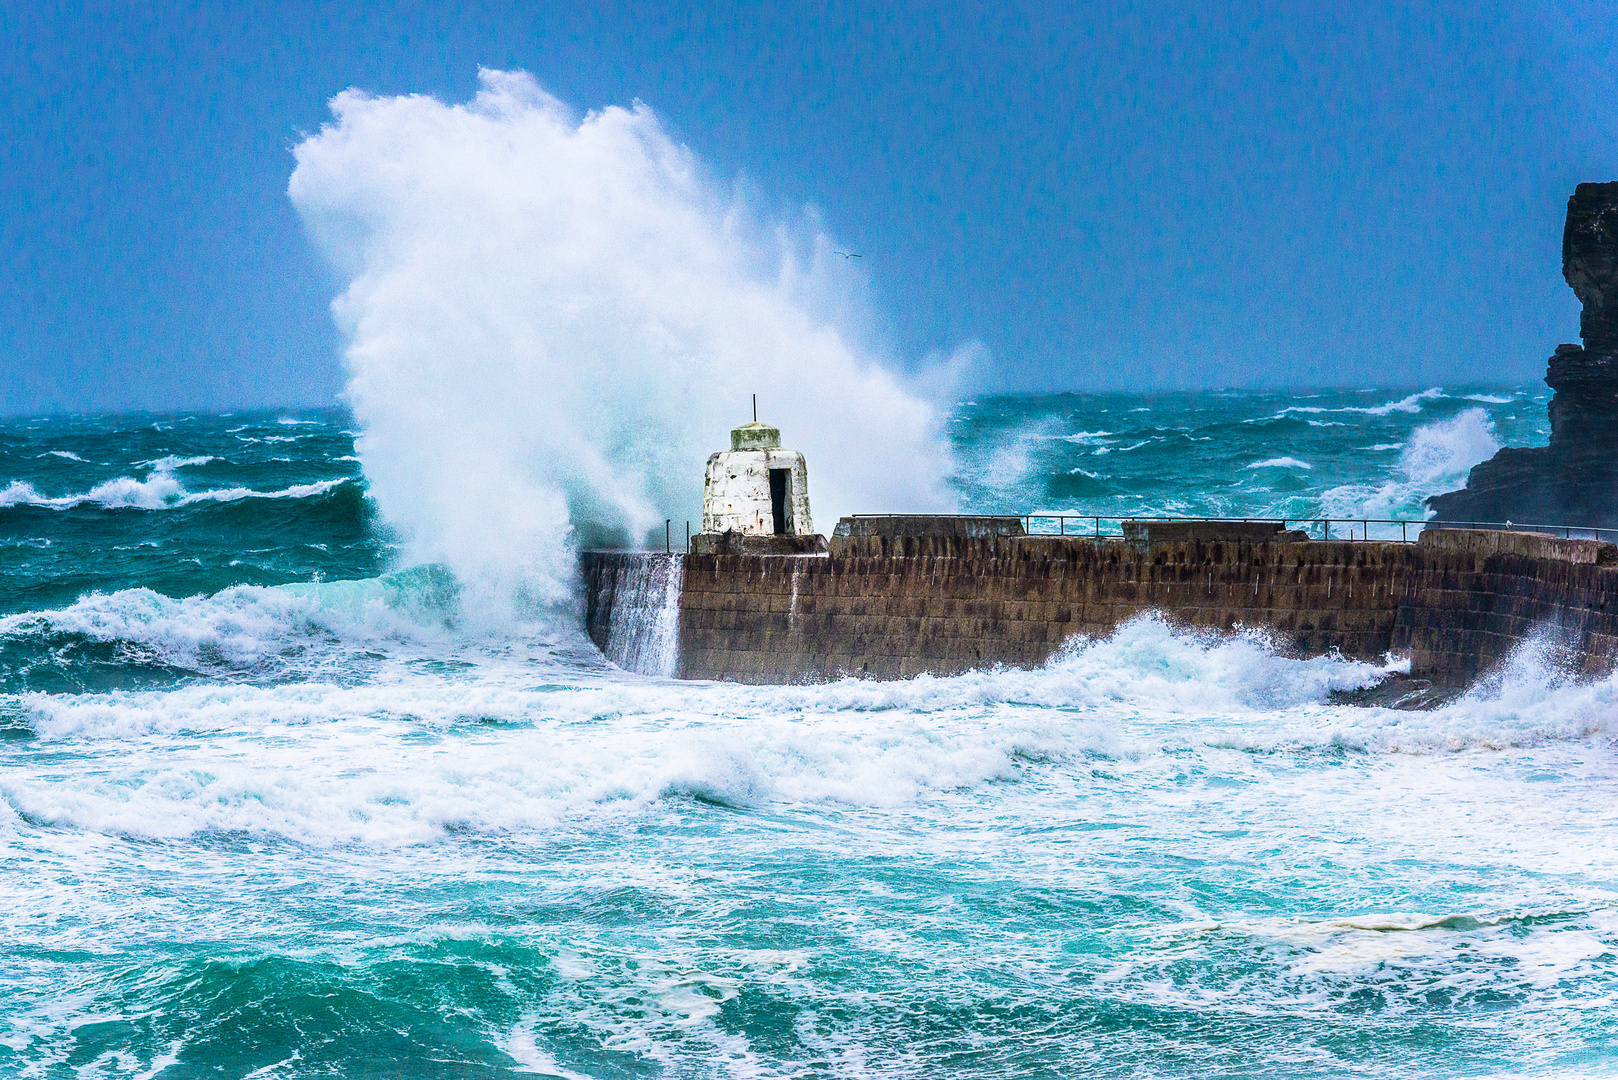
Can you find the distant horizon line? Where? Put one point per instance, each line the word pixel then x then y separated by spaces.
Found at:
pixel 961 399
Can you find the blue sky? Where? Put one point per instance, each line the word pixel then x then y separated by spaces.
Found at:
pixel 1111 196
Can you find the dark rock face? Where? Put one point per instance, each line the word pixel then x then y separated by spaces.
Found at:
pixel 1574 480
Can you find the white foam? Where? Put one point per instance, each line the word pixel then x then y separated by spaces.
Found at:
pixel 509 740
pixel 1280 463
pixel 159 491
pixel 18 492
pixel 555 319
pixel 596 744
pixel 1445 452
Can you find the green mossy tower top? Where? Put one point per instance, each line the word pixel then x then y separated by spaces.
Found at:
pixel 755 436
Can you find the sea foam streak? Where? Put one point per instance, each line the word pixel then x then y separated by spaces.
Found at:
pixel 554 319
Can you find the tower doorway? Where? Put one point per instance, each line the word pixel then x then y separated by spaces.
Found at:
pixel 781 501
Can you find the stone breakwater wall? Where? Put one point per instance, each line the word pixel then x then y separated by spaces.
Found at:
pixel 893 607
pixel 1471 597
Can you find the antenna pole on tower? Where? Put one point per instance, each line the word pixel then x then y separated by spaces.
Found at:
pixel 755 408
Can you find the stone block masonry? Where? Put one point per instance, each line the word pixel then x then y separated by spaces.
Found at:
pixel 1473 596
pixel 891 607
pixel 947 605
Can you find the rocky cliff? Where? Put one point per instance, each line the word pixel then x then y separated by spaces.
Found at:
pixel 1574 480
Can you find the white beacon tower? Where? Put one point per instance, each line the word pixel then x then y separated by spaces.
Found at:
pixel 756 488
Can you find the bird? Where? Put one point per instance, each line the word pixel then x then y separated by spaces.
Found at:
pixel 849 254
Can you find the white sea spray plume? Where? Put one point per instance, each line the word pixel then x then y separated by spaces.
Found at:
pixel 1443 453
pixel 554 319
pixel 1436 458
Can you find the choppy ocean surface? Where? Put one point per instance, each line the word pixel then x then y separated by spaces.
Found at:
pixel 271 806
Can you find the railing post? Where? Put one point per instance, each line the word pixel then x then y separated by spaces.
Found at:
pixel 668 537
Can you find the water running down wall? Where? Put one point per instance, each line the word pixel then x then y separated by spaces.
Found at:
pixel 637 613
pixel 1460 601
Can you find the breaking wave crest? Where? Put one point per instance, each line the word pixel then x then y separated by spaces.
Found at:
pixel 161 490
pixel 1411 403
pixel 1436 458
pixel 296 632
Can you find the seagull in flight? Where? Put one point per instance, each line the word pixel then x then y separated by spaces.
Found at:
pixel 849 254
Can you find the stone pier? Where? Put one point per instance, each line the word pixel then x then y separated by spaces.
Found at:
pixel 942 600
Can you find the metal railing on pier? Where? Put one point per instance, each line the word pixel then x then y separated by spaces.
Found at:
pixel 1105 526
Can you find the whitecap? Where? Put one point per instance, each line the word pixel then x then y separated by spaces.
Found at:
pixel 160 491
pixel 296 491
pixel 1280 463
pixel 1411 403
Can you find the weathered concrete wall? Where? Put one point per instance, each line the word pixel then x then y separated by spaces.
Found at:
pixel 895 606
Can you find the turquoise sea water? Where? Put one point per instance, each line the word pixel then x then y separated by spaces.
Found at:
pixel 271 805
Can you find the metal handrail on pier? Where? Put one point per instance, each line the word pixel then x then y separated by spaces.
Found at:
pixel 1357 528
